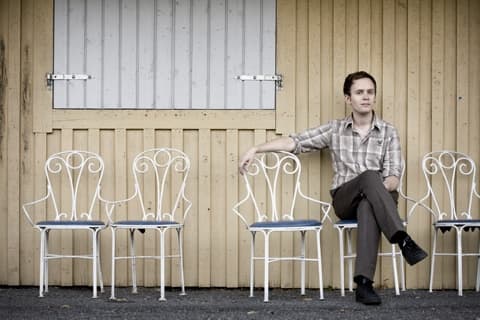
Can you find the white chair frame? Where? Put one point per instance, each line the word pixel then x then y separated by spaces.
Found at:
pixel 74 165
pixel 287 164
pixel 449 166
pixel 161 162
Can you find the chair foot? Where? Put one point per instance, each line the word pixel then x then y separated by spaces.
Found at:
pixel 162 299
pixel 182 294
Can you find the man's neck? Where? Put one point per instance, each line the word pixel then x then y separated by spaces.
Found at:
pixel 362 120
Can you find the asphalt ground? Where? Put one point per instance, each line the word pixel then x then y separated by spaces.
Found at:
pixel 218 303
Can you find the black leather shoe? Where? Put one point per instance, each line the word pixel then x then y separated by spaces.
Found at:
pixel 365 293
pixel 411 251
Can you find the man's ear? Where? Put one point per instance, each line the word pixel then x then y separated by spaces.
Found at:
pixel 347 99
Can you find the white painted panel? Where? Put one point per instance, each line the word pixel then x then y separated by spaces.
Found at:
pixel 268 53
pixel 111 54
pixel 93 53
pixel 76 53
pixel 200 21
pixel 164 53
pixel 217 55
pixel 146 46
pixel 234 54
pixel 61 53
pixel 181 55
pixel 252 52
pixel 128 55
pixel 163 69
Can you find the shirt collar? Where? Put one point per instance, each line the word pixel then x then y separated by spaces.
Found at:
pixel 375 121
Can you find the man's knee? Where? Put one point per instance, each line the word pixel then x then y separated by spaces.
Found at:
pixel 370 177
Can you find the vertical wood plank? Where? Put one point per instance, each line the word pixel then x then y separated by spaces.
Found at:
pixel 268 50
pixel 76 53
pixel 11 100
pixel 28 236
pixel 40 190
pixel 181 55
pixel 232 180
pixel 364 35
pixel 150 242
pixel 177 143
pixel 66 242
pixel 204 208
pixel 145 71
pixel 252 52
pixel 286 38
pixel 128 54
pixel 42 64
pixel 164 47
pixel 111 59
pixel 192 223
pixel 81 239
pixel 352 36
pixel 122 269
pixel 216 72
pixel 438 105
pixel 3 145
pixel 219 209
pixel 93 53
pixel 200 20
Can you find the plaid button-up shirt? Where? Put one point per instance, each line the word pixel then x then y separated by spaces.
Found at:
pixel 351 155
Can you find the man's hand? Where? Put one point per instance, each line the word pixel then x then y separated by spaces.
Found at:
pixel 246 160
pixel 391 183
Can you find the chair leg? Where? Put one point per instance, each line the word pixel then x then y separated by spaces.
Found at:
pixel 134 261
pixel 342 261
pixel 477 287
pixel 402 272
pixel 252 263
pixel 180 250
pixel 266 261
pixel 459 261
pixel 45 261
pixel 112 294
pixel 350 260
pixel 320 271
pixel 99 264
pixel 395 273
pixel 94 262
pixel 42 261
pixel 302 266
pixel 434 252
pixel 162 265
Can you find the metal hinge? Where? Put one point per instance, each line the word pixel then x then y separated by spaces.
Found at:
pixel 60 76
pixel 262 77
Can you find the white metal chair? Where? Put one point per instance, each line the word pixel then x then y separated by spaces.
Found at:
pixel 66 173
pixel 161 165
pixel 271 166
pixel 345 227
pixel 451 190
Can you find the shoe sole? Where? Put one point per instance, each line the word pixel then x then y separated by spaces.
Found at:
pixel 417 260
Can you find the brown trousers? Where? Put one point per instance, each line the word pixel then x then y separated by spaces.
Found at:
pixel 366 199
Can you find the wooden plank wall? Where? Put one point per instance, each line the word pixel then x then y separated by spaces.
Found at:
pixel 424 55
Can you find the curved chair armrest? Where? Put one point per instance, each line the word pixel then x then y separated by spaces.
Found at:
pixel 111 204
pixel 326 207
pixel 29 204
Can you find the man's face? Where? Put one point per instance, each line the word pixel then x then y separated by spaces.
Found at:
pixel 362 96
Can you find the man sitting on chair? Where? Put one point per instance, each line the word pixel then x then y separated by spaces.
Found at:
pixel 367 164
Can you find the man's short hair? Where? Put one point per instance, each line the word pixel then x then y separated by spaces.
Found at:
pixel 347 85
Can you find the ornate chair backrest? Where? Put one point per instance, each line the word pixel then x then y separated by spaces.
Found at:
pixel 450 177
pixel 73 183
pixel 164 170
pixel 269 169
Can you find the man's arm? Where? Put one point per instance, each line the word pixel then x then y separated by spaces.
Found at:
pixel 279 144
